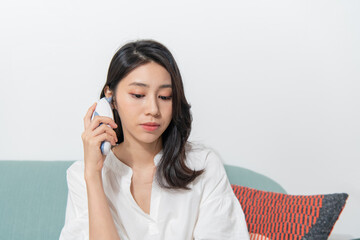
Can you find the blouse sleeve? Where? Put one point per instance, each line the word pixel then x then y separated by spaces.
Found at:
pixel 76 217
pixel 220 215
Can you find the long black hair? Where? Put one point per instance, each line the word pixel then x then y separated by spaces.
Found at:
pixel 172 167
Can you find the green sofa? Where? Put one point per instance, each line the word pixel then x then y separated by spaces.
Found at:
pixel 33 196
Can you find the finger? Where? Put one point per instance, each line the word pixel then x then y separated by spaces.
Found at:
pixel 87 118
pixel 101 119
pixel 104 128
pixel 105 137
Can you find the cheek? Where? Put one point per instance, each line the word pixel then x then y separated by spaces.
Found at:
pixel 168 112
pixel 126 103
pixel 127 109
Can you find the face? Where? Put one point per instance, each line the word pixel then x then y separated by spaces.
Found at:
pixel 143 96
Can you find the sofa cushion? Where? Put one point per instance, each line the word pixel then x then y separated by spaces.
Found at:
pixel 248 178
pixel 282 216
pixel 33 199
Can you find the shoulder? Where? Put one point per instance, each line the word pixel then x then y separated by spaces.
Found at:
pixel 75 169
pixel 200 156
pixel 214 182
pixel 75 175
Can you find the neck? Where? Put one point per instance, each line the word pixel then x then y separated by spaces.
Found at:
pixel 138 155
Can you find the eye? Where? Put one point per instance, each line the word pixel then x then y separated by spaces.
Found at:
pixel 166 98
pixel 137 95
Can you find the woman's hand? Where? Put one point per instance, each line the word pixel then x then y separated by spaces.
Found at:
pixel 92 138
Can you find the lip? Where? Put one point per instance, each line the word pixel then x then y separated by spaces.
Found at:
pixel 150 126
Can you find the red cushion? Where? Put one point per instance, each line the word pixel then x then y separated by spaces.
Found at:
pixel 284 217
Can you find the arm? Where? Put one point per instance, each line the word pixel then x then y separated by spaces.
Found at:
pixel 76 225
pixel 101 223
pixel 220 214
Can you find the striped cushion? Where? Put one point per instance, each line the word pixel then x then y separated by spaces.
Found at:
pixel 271 215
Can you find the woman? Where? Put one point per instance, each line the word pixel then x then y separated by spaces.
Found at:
pixel 154 183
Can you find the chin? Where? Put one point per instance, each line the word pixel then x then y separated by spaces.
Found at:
pixel 148 141
pixel 148 138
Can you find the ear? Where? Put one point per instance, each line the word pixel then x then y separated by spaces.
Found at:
pixel 108 93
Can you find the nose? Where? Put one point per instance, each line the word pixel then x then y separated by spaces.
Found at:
pixel 153 107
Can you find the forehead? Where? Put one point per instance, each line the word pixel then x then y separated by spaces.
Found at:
pixel 149 75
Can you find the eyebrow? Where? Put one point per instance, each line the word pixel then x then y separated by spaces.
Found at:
pixel 147 86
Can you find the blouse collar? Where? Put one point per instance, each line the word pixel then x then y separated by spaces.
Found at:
pixel 121 168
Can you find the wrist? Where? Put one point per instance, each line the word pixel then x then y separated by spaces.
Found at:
pixel 92 176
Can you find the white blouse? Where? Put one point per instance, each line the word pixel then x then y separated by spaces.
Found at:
pixel 209 211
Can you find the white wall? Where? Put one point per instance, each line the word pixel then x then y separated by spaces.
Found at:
pixel 274 85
